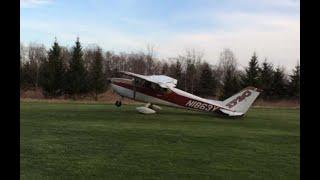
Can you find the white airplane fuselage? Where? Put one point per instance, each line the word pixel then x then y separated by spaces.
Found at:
pixel 164 96
pixel 160 90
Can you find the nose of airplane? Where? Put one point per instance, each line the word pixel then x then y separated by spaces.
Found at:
pixel 120 86
pixel 120 80
pixel 113 80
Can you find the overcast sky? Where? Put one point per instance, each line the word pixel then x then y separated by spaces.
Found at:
pixel 271 28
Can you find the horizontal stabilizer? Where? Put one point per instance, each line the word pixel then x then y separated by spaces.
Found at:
pixel 231 113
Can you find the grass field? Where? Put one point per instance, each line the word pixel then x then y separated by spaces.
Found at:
pixel 97 141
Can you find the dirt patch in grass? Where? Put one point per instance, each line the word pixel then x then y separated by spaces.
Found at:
pixel 31 94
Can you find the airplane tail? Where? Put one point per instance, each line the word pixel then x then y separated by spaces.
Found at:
pixel 241 102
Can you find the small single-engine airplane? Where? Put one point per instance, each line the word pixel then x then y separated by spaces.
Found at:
pixel 160 90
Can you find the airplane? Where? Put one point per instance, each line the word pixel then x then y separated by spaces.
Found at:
pixel 158 90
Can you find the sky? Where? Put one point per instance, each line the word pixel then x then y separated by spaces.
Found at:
pixel 271 28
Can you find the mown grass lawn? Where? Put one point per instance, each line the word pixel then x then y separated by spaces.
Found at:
pixel 100 141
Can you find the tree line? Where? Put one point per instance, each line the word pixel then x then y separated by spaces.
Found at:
pixel 77 71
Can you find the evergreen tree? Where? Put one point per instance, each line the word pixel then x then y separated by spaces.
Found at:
pixel 96 76
pixel 207 83
pixel 27 76
pixel 278 85
pixel 52 73
pixel 266 79
pixel 231 84
pixel 77 73
pixel 294 85
pixel 251 77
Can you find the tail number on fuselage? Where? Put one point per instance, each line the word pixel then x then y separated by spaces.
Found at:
pixel 238 99
pixel 200 105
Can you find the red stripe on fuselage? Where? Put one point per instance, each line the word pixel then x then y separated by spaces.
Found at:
pixel 167 96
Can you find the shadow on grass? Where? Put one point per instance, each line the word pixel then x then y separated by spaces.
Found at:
pixel 203 114
pixel 174 112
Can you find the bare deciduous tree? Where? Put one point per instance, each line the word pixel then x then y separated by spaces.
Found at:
pixel 227 61
pixel 149 59
pixel 36 56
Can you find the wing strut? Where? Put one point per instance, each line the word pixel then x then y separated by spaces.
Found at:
pixel 134 88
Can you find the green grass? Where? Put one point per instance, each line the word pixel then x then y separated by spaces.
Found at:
pixel 98 141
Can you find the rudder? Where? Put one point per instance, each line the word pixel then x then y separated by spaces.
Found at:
pixel 242 101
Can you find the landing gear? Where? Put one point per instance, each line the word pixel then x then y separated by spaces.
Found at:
pixel 148 109
pixel 153 106
pixel 148 105
pixel 118 103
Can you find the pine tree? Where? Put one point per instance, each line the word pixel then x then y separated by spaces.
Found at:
pixel 96 76
pixel 52 73
pixel 231 84
pixel 294 85
pixel 266 79
pixel 251 77
pixel 77 74
pixel 27 76
pixel 278 85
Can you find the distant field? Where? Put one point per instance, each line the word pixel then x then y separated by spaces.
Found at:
pixel 100 141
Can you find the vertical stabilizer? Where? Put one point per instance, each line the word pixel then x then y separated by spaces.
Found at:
pixel 242 101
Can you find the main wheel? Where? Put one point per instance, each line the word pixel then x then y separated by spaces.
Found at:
pixel 118 103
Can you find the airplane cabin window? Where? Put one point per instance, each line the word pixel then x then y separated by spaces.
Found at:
pixel 147 84
pixel 153 86
pixel 163 90
pixel 139 83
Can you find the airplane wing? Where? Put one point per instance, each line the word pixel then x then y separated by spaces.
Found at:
pixel 162 80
